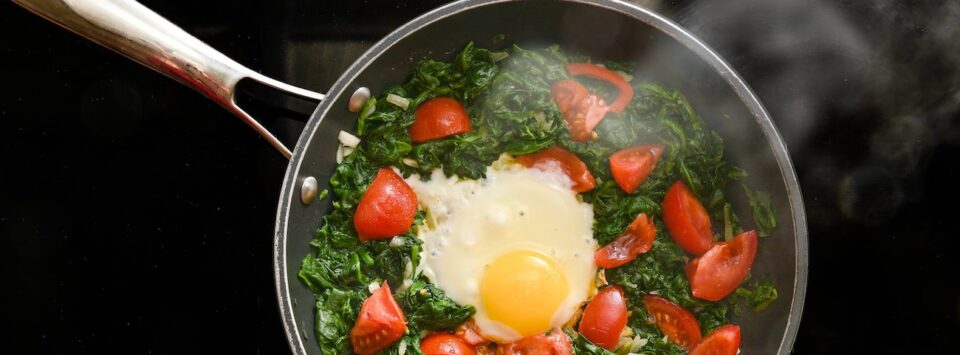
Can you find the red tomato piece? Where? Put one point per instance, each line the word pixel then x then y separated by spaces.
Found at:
pixel 636 240
pixel 631 166
pixel 604 318
pixel 387 207
pixel 445 344
pixel 567 94
pixel 722 341
pixel 581 110
pixel 468 332
pixel 687 220
pixel 555 343
pixel 571 165
pixel 676 323
pixel 379 324
pixel 719 271
pixel 437 118
pixel 597 72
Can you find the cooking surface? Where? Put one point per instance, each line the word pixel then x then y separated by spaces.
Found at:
pixel 137 216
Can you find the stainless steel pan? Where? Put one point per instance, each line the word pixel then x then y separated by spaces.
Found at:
pixel 601 28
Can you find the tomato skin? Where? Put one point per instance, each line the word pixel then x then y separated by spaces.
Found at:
pixel 597 72
pixel 437 118
pixel 445 344
pixel 677 323
pixel 604 318
pixel 570 163
pixel 636 240
pixel 387 207
pixel 719 271
pixel 555 343
pixel 379 324
pixel 687 220
pixel 631 166
pixel 722 341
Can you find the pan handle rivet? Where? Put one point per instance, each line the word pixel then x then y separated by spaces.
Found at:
pixel 358 99
pixel 308 191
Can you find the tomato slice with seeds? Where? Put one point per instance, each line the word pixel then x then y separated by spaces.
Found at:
pixel 582 111
pixel 604 318
pixel 687 220
pixel 631 166
pixel 555 343
pixel 719 271
pixel 445 344
pixel 677 323
pixel 722 341
pixel 571 165
pixel 567 94
pixel 387 207
pixel 636 240
pixel 437 118
pixel 379 324
pixel 597 72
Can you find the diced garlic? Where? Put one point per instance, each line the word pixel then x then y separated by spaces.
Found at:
pixel 396 242
pixel 373 287
pixel 411 163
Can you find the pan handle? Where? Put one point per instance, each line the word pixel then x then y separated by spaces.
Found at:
pixel 131 29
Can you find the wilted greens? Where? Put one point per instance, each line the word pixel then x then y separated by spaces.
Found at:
pixel 507 94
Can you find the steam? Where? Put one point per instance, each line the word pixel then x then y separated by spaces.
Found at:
pixel 860 92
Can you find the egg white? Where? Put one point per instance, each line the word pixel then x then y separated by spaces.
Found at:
pixel 472 222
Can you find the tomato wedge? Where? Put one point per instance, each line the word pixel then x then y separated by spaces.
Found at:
pixel 717 273
pixel 687 220
pixel 722 341
pixel 636 240
pixel 597 72
pixel 555 343
pixel 437 118
pixel 387 207
pixel 676 323
pixel 571 165
pixel 379 324
pixel 631 166
pixel 604 318
pixel 445 344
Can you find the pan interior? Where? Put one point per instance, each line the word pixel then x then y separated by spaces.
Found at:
pixel 609 30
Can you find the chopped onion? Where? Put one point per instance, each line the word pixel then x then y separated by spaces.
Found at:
pixel 498 56
pixel 347 151
pixel 396 242
pixel 339 153
pixel 411 163
pixel 625 76
pixel 373 287
pixel 400 101
pixel 348 139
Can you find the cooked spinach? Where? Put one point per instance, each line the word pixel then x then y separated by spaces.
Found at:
pixel 507 95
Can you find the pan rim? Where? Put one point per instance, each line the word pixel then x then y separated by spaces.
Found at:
pixel 648 17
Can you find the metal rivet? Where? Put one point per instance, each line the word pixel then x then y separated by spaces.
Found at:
pixel 308 191
pixel 358 99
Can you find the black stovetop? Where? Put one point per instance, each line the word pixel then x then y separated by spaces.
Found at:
pixel 136 216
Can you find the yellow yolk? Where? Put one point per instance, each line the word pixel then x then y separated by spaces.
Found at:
pixel 523 290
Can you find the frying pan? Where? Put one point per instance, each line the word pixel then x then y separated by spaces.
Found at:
pixel 607 29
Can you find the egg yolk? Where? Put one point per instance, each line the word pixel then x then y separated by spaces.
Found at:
pixel 522 290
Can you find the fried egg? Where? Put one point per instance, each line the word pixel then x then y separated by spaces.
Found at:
pixel 517 245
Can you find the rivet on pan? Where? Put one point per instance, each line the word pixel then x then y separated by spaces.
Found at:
pixel 308 191
pixel 358 99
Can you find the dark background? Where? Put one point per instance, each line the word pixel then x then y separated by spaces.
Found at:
pixel 136 216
